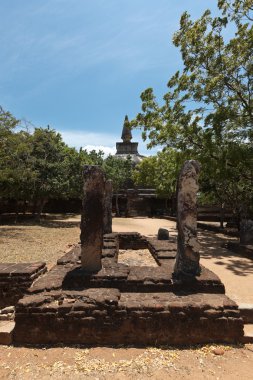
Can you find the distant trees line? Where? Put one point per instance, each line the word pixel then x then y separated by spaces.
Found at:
pixel 36 165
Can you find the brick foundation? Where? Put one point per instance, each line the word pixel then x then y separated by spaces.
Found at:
pixel 15 279
pixel 126 305
pixel 106 316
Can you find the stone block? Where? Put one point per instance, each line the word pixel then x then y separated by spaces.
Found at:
pixel 246 311
pixel 15 280
pixel 108 207
pixel 6 332
pixel 163 234
pixel 248 334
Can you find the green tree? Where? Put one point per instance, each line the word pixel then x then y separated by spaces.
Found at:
pixel 7 144
pixel 207 113
pixel 160 172
pixel 50 167
pixel 75 162
pixel 37 166
pixel 145 173
pixel 120 172
pixel 16 173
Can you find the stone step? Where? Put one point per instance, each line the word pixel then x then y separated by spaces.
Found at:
pixel 6 330
pixel 248 334
pixel 246 310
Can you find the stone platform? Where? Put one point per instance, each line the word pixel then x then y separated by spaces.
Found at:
pixel 121 304
pixel 107 316
pixel 15 279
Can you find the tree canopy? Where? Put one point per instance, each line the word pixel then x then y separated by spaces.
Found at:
pixel 119 171
pixel 160 172
pixel 37 166
pixel 207 113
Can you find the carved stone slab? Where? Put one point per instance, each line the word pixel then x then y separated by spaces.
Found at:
pixel 187 259
pixel 92 218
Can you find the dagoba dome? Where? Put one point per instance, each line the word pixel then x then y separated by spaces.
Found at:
pixel 127 147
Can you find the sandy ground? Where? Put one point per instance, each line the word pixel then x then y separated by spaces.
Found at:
pixel 48 242
pixel 209 362
pixel 28 242
pixel 140 257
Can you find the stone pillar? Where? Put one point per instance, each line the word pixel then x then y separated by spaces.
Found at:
pixel 92 218
pixel 108 207
pixel 187 259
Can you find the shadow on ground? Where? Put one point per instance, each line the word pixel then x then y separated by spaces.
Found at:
pixel 47 221
pixel 234 262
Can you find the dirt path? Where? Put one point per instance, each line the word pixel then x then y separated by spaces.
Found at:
pixel 102 363
pixel 235 271
pixel 146 226
pixel 30 242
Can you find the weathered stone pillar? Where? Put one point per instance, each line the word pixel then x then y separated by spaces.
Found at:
pixel 187 259
pixel 108 207
pixel 92 218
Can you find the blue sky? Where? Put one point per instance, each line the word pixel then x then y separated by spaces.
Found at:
pixel 81 65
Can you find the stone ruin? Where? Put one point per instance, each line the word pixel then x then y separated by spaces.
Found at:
pixel 90 298
pixel 92 219
pixel 108 207
pixel 187 260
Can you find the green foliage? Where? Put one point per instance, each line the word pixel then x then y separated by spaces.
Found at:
pixel 39 166
pixel 15 159
pixel 75 162
pixel 49 164
pixel 7 123
pixel 159 172
pixel 145 173
pixel 207 113
pixel 237 9
pixel 118 170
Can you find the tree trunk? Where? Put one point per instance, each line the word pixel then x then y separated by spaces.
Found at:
pixel 16 212
pixel 222 206
pixel 127 207
pixel 25 203
pixel 117 204
pixel 34 207
pixel 42 203
pixel 166 206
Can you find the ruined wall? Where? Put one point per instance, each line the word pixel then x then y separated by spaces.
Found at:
pixel 15 279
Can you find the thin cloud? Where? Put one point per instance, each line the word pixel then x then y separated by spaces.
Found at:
pixel 101 141
pixel 106 149
pixel 79 139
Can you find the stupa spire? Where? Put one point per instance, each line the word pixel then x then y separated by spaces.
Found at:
pixel 126 135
